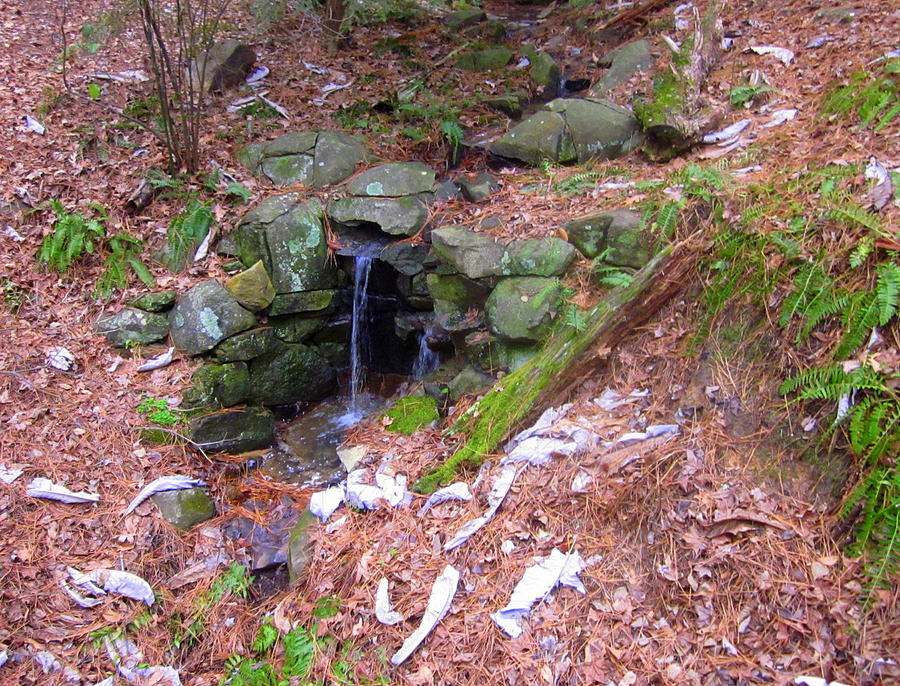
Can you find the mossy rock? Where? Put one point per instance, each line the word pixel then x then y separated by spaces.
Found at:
pixel 234 431
pixel 618 235
pixel 396 216
pixel 492 355
pixel 185 508
pixel 131 326
pixel 294 328
pixel 411 413
pixel 466 16
pixel 305 301
pixel 246 345
pixel 218 385
pixel 299 553
pixel 543 136
pixel 521 309
pixel 549 256
pixel 489 59
pixel 292 373
pixel 393 180
pixel 205 316
pixel 154 302
pixel 474 254
pixel 252 288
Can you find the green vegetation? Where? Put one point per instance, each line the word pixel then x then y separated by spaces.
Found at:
pixel 411 413
pixel 871 100
pixel 157 410
pixel 741 95
pixel 72 236
pixel 13 295
pixel 124 255
pixel 186 232
pixel 234 581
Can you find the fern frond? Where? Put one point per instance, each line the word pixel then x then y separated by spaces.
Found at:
pixel 831 383
pixel 854 214
pixel 862 251
pixel 667 217
pixel 888 117
pixel 887 291
pixel 299 651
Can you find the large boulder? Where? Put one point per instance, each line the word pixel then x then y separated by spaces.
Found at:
pixel 218 385
pixel 396 216
pixel 543 136
pixel 393 180
pixel 226 64
pixel 291 374
pixel 623 63
pixel 234 431
pixel 474 254
pixel 206 315
pixel 600 129
pixel 131 326
pixel 521 309
pixel 618 235
pixel 549 256
pixel 314 158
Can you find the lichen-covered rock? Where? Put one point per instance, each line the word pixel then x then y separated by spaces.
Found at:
pixel 304 301
pixel 295 328
pixel 314 158
pixel 543 136
pixel 131 326
pixel 252 288
pixel 299 553
pixel 218 385
pixel 600 129
pixel 545 73
pixel 462 292
pixel 225 65
pixel 467 16
pixel 206 315
pixel 290 374
pixel 623 63
pixel 521 309
pixel 618 234
pixel 246 345
pixel 477 187
pixel 510 104
pixel 488 59
pixel 406 258
pixel 393 180
pixel 185 508
pixel 234 431
pixel 396 216
pixel 549 256
pixel 474 254
pixel 154 302
pixel 468 381
pixel 491 355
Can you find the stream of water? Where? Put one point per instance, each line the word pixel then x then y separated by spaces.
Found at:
pixel 427 360
pixel 359 335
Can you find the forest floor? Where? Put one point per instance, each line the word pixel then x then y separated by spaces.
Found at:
pixel 713 556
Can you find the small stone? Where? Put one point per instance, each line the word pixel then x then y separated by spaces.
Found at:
pixel 305 301
pixel 477 187
pixel 133 327
pixel 154 302
pixel 476 255
pixel 252 288
pixel 234 431
pixel 469 381
pixel 185 508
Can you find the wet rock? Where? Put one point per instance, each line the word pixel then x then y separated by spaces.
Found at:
pixel 133 327
pixel 477 187
pixel 549 256
pixel 600 129
pixel 305 301
pixel 476 255
pixel 245 345
pixel 295 328
pixel 218 385
pixel 521 309
pixel 617 233
pixel 395 216
pixel 225 65
pixel 542 136
pixel 393 180
pixel 406 323
pixel 206 315
pixel 455 289
pixel 467 16
pixel 414 290
pixel 234 431
pixel 468 381
pixel 488 59
pixel 293 373
pixel 406 258
pixel 545 73
pixel 252 288
pixel 267 534
pixel 185 508
pixel 491 355
pixel 510 104
pixel 314 158
pixel 623 63
pixel 299 552
pixel 154 302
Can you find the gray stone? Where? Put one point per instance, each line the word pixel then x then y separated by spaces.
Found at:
pixel 218 385
pixel 252 288
pixel 617 233
pixel 154 302
pixel 305 301
pixel 600 129
pixel 337 156
pixel 234 431
pixel 543 136
pixel 393 180
pixel 510 104
pixel 549 256
pixel 462 292
pixel 314 158
pixel 490 354
pixel 623 62
pixel 477 187
pixel 545 73
pixel 185 508
pixel 295 328
pixel 406 258
pixel 467 16
pixel 395 216
pixel 414 290
pixel 299 554
pixel 290 374
pixel 468 381
pixel 267 533
pixel 225 65
pixel 488 59
pixel 447 191
pixel 206 315
pixel 521 309
pixel 476 255
pixel 133 327
pixel 245 346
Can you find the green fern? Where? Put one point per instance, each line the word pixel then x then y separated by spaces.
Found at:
pixel 299 651
pixel 124 256
pixel 73 235
pixel 185 234
pixel 667 218
pixel 870 98
pixel 265 638
pixel 577 183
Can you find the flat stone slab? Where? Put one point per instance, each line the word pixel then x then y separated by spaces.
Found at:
pixel 131 326
pixel 234 431
pixel 393 180
pixel 396 216
pixel 600 129
pixel 185 508
pixel 206 315
pixel 474 254
pixel 314 158
pixel 543 136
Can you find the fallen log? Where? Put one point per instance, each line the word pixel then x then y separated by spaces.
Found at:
pixel 562 362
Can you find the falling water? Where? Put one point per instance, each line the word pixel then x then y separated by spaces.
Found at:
pixel 427 360
pixel 359 340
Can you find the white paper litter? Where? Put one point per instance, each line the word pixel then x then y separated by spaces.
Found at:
pixel 816 681
pixel 203 249
pixel 127 657
pixel 336 524
pixel 7 476
pixel 383 611
pixel 786 56
pixel 163 483
pixel 495 499
pixel 158 362
pixel 324 503
pixel 257 75
pixel 314 68
pixel 108 681
pixel 61 358
pixel 747 170
pixel 883 190
pixel 12 234
pixel 101 581
pixel 536 584
pixel 439 601
pixel 44 488
pixel 393 486
pixel 817 42
pixel 4 656
pixel 653 431
pixel 522 63
pixel 275 106
pixel 538 444
pixel 456 491
pixel 886 56
pixel 50 663
pixel 779 117
pixel 682 23
pixel 34 125
pixel 125 76
pixel 581 481
pixel 79 599
pixel 507 546
pixel 728 133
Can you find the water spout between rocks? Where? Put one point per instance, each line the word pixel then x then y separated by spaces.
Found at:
pixel 427 360
pixel 359 335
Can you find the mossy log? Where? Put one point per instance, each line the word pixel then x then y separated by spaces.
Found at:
pixel 560 365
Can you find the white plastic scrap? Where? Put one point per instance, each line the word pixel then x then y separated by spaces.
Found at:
pixel 728 133
pixel 275 106
pixel 581 481
pixel 393 486
pixel 101 581
pixel 817 42
pixel 324 503
pixel 522 63
pixel 314 68
pixel 258 75
pixel 653 431
pixel 495 499
pixel 383 611
pixel 163 483
pixel 7 476
pixel 779 117
pixel 158 362
pixel 456 491
pixel 12 234
pixel 786 56
pixel 203 249
pixel 50 663
pixel 127 657
pixel 544 440
pixel 536 584
pixel 747 170
pixel 682 23
pixel 44 488
pixel 34 125
pixel 439 601
pixel 4 656
pixel 816 681
pixel 61 358
pixel 883 190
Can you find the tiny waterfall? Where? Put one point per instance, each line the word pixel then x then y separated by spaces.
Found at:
pixel 359 338
pixel 427 360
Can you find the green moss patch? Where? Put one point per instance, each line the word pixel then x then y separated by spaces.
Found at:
pixel 411 413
